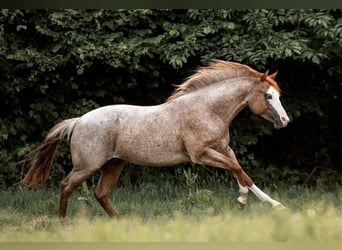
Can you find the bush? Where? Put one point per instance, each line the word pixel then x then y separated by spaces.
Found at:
pixel 56 64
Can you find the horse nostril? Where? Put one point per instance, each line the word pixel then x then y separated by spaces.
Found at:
pixel 284 120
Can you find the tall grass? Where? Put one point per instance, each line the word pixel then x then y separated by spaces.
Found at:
pixel 156 212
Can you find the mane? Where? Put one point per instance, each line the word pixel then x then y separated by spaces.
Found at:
pixel 217 71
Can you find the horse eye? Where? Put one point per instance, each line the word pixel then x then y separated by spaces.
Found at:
pixel 268 96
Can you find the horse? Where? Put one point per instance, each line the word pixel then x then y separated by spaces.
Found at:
pixel 191 125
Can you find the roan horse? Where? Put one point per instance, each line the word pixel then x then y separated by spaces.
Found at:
pixel 193 125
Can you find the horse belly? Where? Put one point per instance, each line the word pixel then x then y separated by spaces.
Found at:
pixel 159 159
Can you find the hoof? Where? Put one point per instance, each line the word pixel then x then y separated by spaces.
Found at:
pixel 240 205
pixel 278 206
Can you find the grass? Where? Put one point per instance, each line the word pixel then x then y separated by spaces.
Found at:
pixel 155 212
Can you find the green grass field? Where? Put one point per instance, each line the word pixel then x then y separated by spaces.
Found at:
pixel 153 212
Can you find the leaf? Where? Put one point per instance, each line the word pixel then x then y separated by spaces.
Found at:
pixel 230 25
pixel 315 59
pixel 21 27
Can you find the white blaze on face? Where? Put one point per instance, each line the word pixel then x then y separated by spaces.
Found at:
pixel 273 99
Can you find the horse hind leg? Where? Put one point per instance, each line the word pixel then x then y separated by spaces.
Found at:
pixel 68 185
pixel 111 171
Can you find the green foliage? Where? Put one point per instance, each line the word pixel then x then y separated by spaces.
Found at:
pixel 56 64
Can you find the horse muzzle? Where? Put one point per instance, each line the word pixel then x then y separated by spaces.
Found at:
pixel 280 121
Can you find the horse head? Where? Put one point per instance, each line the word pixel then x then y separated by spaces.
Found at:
pixel 264 100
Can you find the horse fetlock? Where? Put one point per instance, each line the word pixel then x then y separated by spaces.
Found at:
pixel 243 190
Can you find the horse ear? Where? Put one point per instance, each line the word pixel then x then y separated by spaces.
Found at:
pixel 263 77
pixel 273 76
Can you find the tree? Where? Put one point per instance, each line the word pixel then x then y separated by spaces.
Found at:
pixel 56 64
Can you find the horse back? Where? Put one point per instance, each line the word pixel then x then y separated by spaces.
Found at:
pixel 144 135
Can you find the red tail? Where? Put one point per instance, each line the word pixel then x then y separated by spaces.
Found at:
pixel 42 157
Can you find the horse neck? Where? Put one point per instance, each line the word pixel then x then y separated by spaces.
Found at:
pixel 227 98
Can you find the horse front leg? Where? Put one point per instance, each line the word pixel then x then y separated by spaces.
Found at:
pixel 243 190
pixel 228 161
pixel 265 197
pixel 242 200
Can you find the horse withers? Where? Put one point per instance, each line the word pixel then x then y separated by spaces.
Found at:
pixel 192 125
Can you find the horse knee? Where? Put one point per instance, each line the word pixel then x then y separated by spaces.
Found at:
pixel 242 177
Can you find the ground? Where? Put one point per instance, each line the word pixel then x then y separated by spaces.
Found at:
pixel 154 213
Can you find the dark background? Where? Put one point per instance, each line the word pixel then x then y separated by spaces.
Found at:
pixel 56 64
